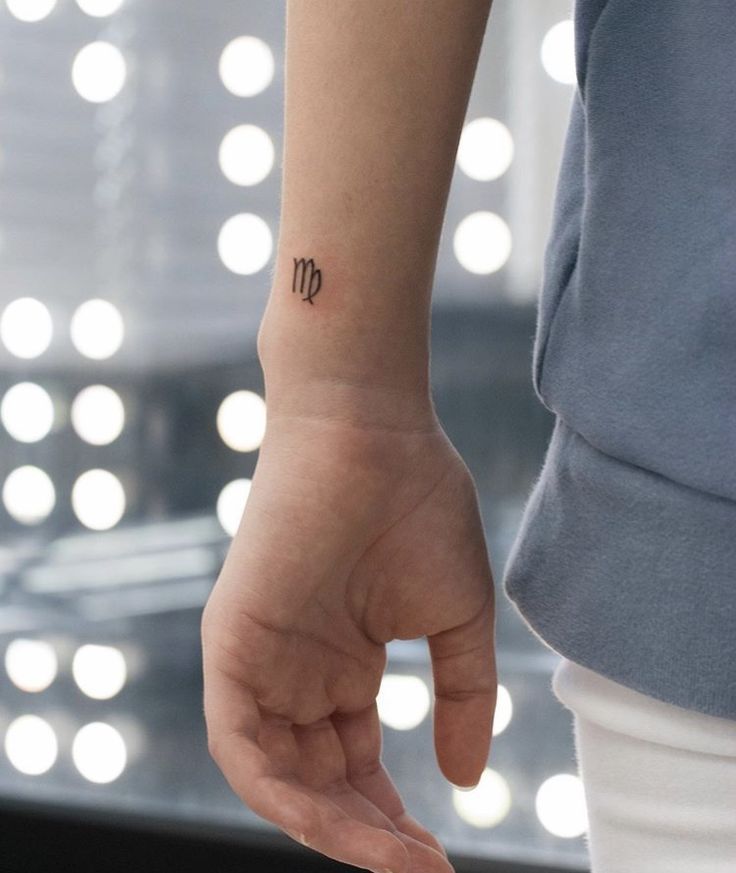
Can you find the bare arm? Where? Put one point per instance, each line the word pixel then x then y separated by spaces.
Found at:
pixel 362 525
pixel 376 94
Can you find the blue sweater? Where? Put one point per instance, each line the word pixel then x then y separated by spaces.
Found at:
pixel 625 560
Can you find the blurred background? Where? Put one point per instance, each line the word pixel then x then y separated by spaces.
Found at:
pixel 140 144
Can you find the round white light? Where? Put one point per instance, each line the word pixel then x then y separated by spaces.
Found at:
pixel 487 804
pixel 99 752
pixel 31 745
pixel 28 494
pixel 558 52
pixel 245 243
pixel 504 710
pixel 99 8
pixel 27 412
pixel 486 149
pixel 231 504
pixel 560 805
pixel 31 665
pixel 482 242
pixel 98 72
pixel 98 499
pixel 98 415
pixel 403 701
pixel 241 420
pixel 246 155
pixel 246 66
pixel 30 10
pixel 26 328
pixel 97 329
pixel 99 671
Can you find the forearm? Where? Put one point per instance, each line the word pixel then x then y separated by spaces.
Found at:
pixel 376 93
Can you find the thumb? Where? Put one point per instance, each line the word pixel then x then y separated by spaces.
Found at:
pixel 465 685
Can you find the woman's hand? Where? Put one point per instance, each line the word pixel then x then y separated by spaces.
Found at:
pixel 352 536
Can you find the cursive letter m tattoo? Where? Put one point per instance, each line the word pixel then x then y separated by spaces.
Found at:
pixel 306 279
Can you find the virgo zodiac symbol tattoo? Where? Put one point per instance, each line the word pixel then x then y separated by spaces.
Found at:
pixel 306 279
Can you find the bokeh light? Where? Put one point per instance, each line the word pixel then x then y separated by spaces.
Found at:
pixel 97 329
pixel 98 499
pixel 558 52
pixel 403 701
pixel 99 72
pixel 231 504
pixel 27 412
pixel 31 665
pixel 99 752
pixel 28 494
pixel 504 710
pixel 99 671
pixel 486 149
pixel 245 243
pixel 30 10
pixel 31 745
pixel 98 415
pixel 26 328
pixel 482 242
pixel 246 155
pixel 487 804
pixel 560 806
pixel 246 66
pixel 99 8
pixel 241 420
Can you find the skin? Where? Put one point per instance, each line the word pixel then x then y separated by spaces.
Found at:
pixel 362 525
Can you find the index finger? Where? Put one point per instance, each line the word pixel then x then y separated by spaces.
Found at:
pixel 234 723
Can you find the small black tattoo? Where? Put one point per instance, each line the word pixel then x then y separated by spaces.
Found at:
pixel 307 280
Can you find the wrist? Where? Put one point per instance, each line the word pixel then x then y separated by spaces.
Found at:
pixel 362 405
pixel 328 369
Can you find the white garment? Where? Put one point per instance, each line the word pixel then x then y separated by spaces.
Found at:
pixel 660 781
